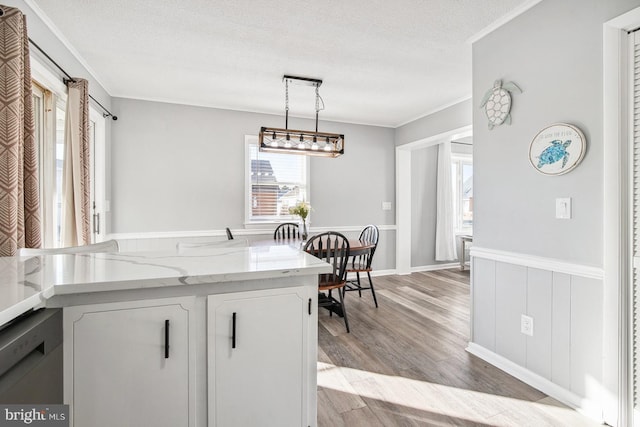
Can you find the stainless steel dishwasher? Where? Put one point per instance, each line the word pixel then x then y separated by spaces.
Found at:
pixel 31 358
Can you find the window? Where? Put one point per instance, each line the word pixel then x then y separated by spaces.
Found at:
pixel 274 182
pixel 49 104
pixel 49 112
pixel 462 178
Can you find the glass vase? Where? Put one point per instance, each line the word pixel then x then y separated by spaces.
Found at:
pixel 304 233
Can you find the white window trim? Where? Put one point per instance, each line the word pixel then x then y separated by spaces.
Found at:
pixel 253 224
pixel 467 158
pixel 51 83
pixel 46 78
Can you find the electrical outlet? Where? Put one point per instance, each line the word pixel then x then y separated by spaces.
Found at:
pixel 526 325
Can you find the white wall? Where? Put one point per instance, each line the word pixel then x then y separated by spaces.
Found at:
pixel 180 168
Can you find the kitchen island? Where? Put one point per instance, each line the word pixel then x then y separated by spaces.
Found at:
pixel 219 336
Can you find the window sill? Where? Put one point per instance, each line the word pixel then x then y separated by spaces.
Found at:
pixel 262 225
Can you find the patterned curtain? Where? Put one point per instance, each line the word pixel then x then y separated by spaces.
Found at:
pixel 19 196
pixel 75 171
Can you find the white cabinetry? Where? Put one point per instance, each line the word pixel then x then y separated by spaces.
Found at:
pixel 123 369
pixel 261 363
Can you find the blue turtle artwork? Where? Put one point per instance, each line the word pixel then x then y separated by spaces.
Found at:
pixel 554 153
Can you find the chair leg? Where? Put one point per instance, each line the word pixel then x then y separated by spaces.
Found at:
pixel 330 307
pixel 373 292
pixel 344 312
pixel 359 286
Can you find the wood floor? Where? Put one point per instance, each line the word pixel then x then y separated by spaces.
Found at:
pixel 405 364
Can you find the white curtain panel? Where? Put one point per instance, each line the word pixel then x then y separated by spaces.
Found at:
pixel 445 232
pixel 75 170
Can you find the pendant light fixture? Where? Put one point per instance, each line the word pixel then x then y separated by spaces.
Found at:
pixel 304 142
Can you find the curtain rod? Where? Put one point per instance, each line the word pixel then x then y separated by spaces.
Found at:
pixel 106 113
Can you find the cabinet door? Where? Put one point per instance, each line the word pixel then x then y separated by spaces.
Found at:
pixel 263 380
pixel 121 375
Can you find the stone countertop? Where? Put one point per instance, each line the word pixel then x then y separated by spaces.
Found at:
pixel 28 282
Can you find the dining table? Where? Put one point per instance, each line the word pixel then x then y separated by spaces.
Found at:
pixel 356 247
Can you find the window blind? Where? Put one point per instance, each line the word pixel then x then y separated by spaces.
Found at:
pixel 277 182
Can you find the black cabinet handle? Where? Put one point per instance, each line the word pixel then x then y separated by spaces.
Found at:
pixel 309 306
pixel 233 331
pixel 166 339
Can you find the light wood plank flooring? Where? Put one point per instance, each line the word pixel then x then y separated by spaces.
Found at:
pixel 405 364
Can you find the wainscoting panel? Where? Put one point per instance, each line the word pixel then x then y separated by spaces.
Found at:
pixel 483 294
pixel 564 355
pixel 511 303
pixel 586 335
pixel 561 330
pixel 539 293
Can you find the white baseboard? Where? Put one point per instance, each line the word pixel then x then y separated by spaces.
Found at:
pixel 388 272
pixel 585 406
pixel 434 267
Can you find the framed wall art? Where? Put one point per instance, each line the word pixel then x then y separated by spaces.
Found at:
pixel 557 149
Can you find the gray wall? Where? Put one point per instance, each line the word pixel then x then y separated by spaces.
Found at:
pixel 424 169
pixel 450 118
pixel 424 172
pixel 180 168
pixel 554 53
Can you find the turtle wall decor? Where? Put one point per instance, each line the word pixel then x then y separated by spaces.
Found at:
pixel 557 149
pixel 497 103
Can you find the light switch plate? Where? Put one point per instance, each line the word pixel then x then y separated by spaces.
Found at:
pixel 386 206
pixel 563 208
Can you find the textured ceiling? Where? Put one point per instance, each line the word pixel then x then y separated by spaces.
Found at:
pixel 382 62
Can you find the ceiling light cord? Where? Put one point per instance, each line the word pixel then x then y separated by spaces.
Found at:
pixel 318 101
pixel 286 103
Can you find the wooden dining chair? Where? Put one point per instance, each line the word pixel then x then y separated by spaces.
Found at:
pixel 361 262
pixel 332 248
pixel 287 231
